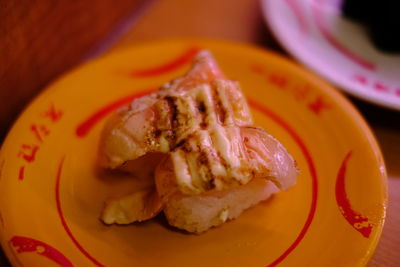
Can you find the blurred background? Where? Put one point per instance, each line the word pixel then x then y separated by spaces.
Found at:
pixel 42 39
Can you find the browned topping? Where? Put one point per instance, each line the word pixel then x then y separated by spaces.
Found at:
pixel 219 108
pixel 186 148
pixel 157 133
pixel 205 161
pixel 201 107
pixel 173 110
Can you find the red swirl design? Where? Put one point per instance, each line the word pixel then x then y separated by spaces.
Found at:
pixel 181 60
pixel 25 244
pixel 311 167
pixel 356 220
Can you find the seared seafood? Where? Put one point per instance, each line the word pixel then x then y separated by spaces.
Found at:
pixel 210 165
pixel 160 121
pixel 206 164
pixel 222 158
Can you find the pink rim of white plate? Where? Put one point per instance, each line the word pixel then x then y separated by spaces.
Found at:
pixel 316 34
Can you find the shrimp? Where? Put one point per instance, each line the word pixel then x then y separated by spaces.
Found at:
pixel 223 158
pixel 193 141
pixel 135 137
pixel 233 168
pixel 160 121
pixel 218 174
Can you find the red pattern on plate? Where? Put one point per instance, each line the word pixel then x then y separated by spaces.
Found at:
pixel 311 167
pixel 25 244
pixel 40 130
pixel 21 173
pixel 28 152
pixel 184 58
pixel 64 222
pixel 356 220
pixel 302 92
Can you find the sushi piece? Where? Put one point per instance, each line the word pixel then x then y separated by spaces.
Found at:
pixel 160 121
pixel 212 177
pixel 194 143
pixel 218 174
pixel 222 158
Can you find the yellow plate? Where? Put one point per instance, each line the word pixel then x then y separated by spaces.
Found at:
pixel 52 192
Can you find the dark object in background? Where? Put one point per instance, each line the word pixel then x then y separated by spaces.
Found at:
pixel 382 19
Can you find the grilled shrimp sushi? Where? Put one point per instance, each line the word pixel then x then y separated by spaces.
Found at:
pixel 218 174
pixel 212 177
pixel 194 143
pixel 160 121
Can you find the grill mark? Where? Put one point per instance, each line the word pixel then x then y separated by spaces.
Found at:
pixel 157 133
pixel 152 137
pixel 173 111
pixel 201 107
pixel 185 147
pixel 203 159
pixel 180 144
pixel 171 101
pixel 188 115
pixel 202 164
pixel 219 107
pixel 223 161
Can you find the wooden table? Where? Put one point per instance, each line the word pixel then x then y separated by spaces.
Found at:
pixel 241 20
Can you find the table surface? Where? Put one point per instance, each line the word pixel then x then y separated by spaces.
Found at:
pixel 241 20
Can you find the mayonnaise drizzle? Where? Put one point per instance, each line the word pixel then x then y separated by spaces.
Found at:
pixel 182 173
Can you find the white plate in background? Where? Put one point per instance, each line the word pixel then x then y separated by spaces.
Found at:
pixel 315 32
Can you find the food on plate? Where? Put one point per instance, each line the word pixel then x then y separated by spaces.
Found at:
pixel 221 158
pixel 161 120
pixel 380 18
pixel 218 173
pixel 194 142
